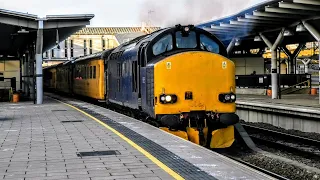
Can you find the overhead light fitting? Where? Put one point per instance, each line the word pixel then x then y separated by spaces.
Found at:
pixel 257 38
pixel 300 28
pixel 237 43
pixel 23 31
pixel 287 33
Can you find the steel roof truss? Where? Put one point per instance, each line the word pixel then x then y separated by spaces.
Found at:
pixel 312 2
pixel 289 11
pixel 299 6
pixel 253 17
pixel 277 15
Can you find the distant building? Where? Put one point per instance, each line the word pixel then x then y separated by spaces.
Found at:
pixel 90 40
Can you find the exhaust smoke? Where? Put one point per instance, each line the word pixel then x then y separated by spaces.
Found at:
pixel 166 13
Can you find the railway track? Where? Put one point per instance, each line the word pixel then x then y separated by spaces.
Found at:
pixel 301 146
pixel 274 175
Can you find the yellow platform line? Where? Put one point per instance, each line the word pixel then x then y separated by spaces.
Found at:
pixel 144 152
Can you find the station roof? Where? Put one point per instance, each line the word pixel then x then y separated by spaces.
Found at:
pixel 18 30
pixel 112 30
pixel 268 17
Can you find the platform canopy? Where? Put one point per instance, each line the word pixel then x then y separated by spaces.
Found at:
pixel 19 30
pixel 269 18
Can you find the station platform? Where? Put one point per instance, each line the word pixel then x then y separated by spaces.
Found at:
pixel 71 139
pixel 296 100
pixel 295 104
pixel 299 112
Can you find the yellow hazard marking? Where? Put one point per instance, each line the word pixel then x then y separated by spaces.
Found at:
pixel 224 64
pixel 144 152
pixel 168 65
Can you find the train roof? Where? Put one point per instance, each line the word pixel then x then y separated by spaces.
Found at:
pixel 89 57
pixel 52 66
pixel 150 37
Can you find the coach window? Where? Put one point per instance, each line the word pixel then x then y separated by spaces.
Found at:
pixel 163 45
pixel 94 72
pixel 90 72
pixel 188 41
pixel 208 44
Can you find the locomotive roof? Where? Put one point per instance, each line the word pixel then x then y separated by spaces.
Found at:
pixel 151 36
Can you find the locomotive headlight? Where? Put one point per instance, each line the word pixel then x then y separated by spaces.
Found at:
pixel 227 98
pixel 186 29
pixel 168 98
pixel 233 97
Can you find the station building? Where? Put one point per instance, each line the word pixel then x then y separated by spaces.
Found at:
pixel 90 40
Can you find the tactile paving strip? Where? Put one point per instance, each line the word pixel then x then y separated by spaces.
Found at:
pixel 177 164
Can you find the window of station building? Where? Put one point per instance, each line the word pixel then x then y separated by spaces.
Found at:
pixel 163 45
pixel 208 44
pixel 71 52
pixel 65 52
pixel 103 43
pixel 94 72
pixel 189 41
pixel 90 51
pixel 84 52
pixel 52 52
pixel 71 43
pixel 66 44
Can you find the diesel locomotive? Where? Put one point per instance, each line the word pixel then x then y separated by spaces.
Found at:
pixel 179 77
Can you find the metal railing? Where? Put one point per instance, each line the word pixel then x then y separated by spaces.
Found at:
pixel 263 81
pixel 297 87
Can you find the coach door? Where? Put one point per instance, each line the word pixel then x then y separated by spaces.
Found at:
pixel 141 78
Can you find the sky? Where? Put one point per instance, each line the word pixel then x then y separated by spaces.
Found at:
pixel 124 13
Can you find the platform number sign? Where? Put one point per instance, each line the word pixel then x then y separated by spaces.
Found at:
pixel 224 64
pixel 168 65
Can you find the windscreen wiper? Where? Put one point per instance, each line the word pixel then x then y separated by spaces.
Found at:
pixel 205 48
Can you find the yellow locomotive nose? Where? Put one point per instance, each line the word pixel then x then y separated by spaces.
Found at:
pixel 196 91
pixel 197 79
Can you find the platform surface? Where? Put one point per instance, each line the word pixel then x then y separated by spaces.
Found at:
pixel 36 144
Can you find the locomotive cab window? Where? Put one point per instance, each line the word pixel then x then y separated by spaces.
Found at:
pixel 208 44
pixel 163 45
pixel 184 40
